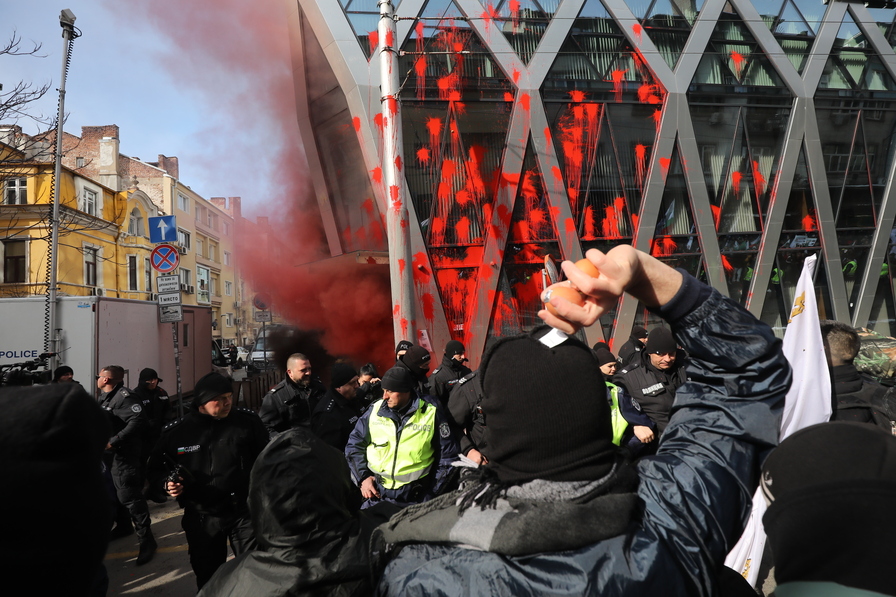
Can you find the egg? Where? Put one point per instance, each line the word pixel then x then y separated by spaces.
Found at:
pixel 588 267
pixel 567 292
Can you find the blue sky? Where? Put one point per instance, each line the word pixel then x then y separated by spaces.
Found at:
pixel 128 70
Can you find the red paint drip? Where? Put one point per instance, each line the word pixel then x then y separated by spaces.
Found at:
pixel 809 222
pixel 373 39
pixel 738 60
pixel 637 30
pixel 758 179
pixel 664 164
pixel 515 75
pixel 524 101
pixel 437 231
pixel 508 97
pixel 449 167
pixel 378 121
pixel 390 40
pixel 356 122
pixel 401 265
pixel 640 165
pixel 716 215
pixel 577 96
pixel 428 306
pixel 557 174
pixel 727 264
pixel 398 163
pixel 514 6
pixel 618 80
pixel 589 224
pixel 420 70
pixel 404 327
pixel 735 182
pixel 462 229
pixel 377 174
pixel 368 206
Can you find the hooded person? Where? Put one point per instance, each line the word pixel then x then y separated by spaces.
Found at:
pixel 51 441
pixel 558 509
pixel 417 361
pixel 312 539
pixel 210 453
pixel 452 370
pixel 830 527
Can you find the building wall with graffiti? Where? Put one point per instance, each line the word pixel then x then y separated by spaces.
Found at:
pixel 729 138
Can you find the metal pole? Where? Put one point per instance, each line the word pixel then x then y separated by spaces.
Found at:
pixel 397 225
pixel 180 395
pixel 67 22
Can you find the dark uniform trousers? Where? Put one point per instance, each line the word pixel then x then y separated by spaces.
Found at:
pixel 127 478
pixel 207 537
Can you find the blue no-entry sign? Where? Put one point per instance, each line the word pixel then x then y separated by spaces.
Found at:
pixel 164 258
pixel 163 229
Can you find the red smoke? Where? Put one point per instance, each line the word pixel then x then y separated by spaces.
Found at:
pixel 237 55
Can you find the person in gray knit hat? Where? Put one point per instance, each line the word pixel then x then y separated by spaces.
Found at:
pixel 558 510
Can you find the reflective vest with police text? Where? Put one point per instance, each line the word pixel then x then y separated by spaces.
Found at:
pixel 398 458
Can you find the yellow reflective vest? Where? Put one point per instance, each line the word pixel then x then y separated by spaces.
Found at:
pixel 616 418
pixel 398 457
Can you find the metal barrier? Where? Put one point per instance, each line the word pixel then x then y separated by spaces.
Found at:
pixel 250 392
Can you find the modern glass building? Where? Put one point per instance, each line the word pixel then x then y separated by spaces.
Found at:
pixel 730 138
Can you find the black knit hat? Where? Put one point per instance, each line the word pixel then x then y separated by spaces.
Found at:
pixel 660 341
pixel 148 375
pixel 639 332
pixel 52 439
pixel 403 345
pixel 417 359
pixel 546 411
pixel 211 386
pixel 398 379
pixel 341 374
pixel 454 348
pixel 832 487
pixel 604 356
pixel 63 370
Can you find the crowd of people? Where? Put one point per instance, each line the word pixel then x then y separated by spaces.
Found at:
pixel 555 468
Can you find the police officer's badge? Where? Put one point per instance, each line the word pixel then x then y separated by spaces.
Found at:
pixel 136 408
pixel 444 431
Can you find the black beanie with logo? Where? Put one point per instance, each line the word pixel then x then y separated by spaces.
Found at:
pixel 546 411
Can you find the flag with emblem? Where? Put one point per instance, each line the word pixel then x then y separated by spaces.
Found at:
pixel 808 402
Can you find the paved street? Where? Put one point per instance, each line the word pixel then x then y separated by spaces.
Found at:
pixel 168 574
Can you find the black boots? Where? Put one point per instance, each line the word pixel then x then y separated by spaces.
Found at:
pixel 147 549
pixel 123 526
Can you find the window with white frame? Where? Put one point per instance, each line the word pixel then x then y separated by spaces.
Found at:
pixel 212 250
pixel 91 261
pixel 228 320
pixel 133 274
pixel 183 237
pixel 135 223
pixel 14 271
pixel 228 288
pixel 186 276
pixel 226 257
pixel 226 229
pixel 89 201
pixel 200 246
pixel 183 203
pixel 15 191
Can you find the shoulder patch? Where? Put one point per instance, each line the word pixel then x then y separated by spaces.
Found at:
pixel 136 408
pixel 436 370
pixel 444 431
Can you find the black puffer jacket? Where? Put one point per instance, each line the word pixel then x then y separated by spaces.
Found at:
pixel 445 378
pixel 312 540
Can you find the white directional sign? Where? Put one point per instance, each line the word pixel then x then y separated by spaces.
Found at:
pixel 162 229
pixel 262 316
pixel 168 283
pixel 170 313
pixel 169 298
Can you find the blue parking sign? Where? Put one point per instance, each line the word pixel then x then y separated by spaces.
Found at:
pixel 163 229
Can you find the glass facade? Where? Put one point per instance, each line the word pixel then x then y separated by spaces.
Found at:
pixel 728 138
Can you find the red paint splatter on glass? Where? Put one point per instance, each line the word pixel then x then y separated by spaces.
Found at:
pixel 423 155
pixel 738 60
pixel 373 39
pixel 589 224
pixel 716 215
pixel 809 222
pixel 618 81
pixel 377 174
pixel 735 182
pixel 758 179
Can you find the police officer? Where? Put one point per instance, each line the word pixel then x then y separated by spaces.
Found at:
pixel 125 447
pixel 654 376
pixel 290 403
pixel 452 369
pixel 465 408
pixel 339 410
pixel 216 445
pixel 402 448
pixel 156 406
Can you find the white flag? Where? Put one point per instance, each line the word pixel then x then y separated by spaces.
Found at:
pixel 808 402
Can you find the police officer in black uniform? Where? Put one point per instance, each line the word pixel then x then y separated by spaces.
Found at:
pixel 290 403
pixel 465 408
pixel 452 369
pixel 216 446
pixel 125 448
pixel 339 410
pixel 653 376
pixel 156 406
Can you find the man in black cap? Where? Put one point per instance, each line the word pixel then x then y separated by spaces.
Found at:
pixel 155 408
pixel 124 457
pixel 402 448
pixel 401 348
pixel 654 375
pixel 633 346
pixel 830 525
pixel 64 374
pixel 290 403
pixel 416 360
pixel 452 369
pixel 559 510
pixel 338 411
pixel 216 446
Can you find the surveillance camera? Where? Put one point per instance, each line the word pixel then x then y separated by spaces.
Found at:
pixel 67 17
